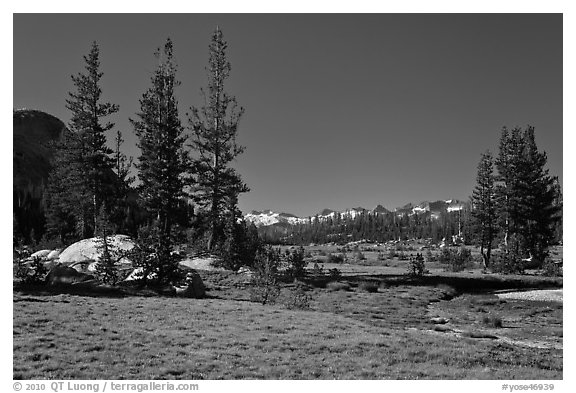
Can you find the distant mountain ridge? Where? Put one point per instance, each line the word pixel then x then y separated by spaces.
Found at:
pixel 269 217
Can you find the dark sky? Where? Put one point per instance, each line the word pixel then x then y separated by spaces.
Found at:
pixel 342 110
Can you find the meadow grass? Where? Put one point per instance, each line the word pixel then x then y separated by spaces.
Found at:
pixel 345 335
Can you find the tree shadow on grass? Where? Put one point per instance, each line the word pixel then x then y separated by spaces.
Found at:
pixel 90 290
pixel 461 284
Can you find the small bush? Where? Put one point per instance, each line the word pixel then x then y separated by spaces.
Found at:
pixel 32 272
pixel 106 269
pixel 297 299
pixel 318 271
pixel 552 269
pixel 507 263
pixel 416 266
pixel 334 274
pixel 508 259
pixel 333 258
pixel 381 256
pixel 492 321
pixel 359 256
pixel 457 260
pixel 296 263
pixel 447 292
pixel 265 288
pixel 159 266
pixel 429 256
pixel 368 286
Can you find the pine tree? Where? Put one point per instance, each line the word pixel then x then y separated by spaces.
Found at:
pixel 87 114
pixel 540 212
pixel 214 126
pixel 106 269
pixel 484 207
pixel 527 195
pixel 162 163
pixel 80 181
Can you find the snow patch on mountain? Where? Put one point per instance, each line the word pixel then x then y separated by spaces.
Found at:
pixel 269 217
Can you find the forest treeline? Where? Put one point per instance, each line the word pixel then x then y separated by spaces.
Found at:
pixel 515 207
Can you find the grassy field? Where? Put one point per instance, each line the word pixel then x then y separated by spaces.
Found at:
pixel 345 334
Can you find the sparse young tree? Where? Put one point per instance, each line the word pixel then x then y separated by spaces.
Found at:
pixel 163 161
pixel 122 165
pixel 214 125
pixel 106 269
pixel 484 207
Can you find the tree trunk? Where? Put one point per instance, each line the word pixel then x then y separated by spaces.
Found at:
pixel 484 257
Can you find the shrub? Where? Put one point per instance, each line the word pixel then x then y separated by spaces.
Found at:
pixel 30 272
pixel 296 263
pixel 240 246
pixel 445 256
pixel 392 254
pixel 358 255
pixel 381 256
pixel 368 286
pixel 552 269
pixel 297 299
pixel 507 262
pixel 334 274
pixel 492 321
pixel 457 260
pixel 106 269
pixel 509 258
pixel 402 255
pixel 333 258
pixel 317 270
pixel 416 266
pixel 265 288
pixel 158 264
pixel 446 292
pixel 429 256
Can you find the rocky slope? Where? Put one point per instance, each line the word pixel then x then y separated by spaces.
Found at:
pixel 33 131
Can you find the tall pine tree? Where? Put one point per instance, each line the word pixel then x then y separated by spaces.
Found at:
pixel 484 207
pixel 540 212
pixel 83 163
pixel 214 126
pixel 527 194
pixel 162 163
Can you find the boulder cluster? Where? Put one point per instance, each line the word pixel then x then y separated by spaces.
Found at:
pixel 76 265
